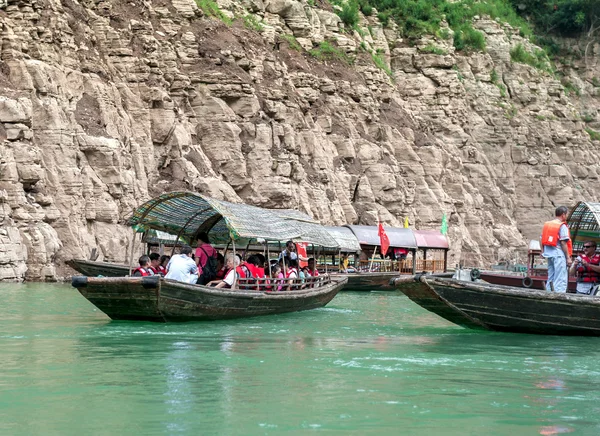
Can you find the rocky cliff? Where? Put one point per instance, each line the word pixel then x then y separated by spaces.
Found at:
pixel 104 104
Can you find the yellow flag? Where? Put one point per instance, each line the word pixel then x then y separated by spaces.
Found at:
pixel 406 222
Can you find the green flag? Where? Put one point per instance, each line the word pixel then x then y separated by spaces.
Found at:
pixel 444 228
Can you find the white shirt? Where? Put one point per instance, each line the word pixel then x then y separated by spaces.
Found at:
pixel 229 277
pixel 182 268
pixel 291 255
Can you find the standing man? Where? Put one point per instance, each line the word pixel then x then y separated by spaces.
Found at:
pixel 587 267
pixel 557 248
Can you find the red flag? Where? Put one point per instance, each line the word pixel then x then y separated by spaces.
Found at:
pixel 383 239
pixel 301 252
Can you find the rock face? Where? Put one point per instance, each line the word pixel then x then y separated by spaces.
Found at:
pixel 104 104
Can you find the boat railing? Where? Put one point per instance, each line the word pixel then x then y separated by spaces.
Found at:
pixel 283 284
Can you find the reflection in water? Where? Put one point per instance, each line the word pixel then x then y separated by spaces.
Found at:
pixel 367 363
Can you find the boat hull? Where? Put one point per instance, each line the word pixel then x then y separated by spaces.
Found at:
pixel 537 282
pixel 365 282
pixel 160 300
pixel 94 269
pixel 510 309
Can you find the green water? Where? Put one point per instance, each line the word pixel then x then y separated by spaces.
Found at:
pixel 368 363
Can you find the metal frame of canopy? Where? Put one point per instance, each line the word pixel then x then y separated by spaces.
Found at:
pixel 584 224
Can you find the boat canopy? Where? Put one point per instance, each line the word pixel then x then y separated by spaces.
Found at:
pixel 311 231
pixel 186 214
pixel 431 239
pixel 399 237
pixel 345 238
pixel 157 237
pixel 584 224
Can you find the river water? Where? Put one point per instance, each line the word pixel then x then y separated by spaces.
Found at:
pixel 368 363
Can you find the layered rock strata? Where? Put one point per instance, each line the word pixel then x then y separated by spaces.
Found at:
pixel 104 104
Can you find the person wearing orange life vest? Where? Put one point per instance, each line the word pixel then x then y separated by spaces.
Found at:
pixel 143 270
pixel 587 268
pixel 557 248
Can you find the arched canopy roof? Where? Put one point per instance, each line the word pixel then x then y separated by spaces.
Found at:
pixel 345 238
pixel 431 239
pixel 187 213
pixel 584 224
pixel 399 237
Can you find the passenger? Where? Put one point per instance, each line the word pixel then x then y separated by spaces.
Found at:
pixel 292 273
pixel 311 268
pixel 344 263
pixel 587 268
pixel 277 275
pixel 290 251
pixel 231 274
pixel 262 261
pixel 164 261
pixel 220 266
pixel 182 268
pixel 155 263
pixel 557 248
pixel 144 269
pixel 206 259
pixel 257 272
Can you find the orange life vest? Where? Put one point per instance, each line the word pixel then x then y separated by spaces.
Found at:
pixel 301 251
pixel 550 235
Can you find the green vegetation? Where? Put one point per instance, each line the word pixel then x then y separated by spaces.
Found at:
pixel 570 88
pixel 588 118
pixel 430 48
pixel 538 59
pixel 292 42
pixel 458 74
pixel 596 82
pixel 252 23
pixel 349 13
pixel 379 60
pixel 494 77
pixel 595 136
pixel 566 17
pixel 211 9
pixel 327 51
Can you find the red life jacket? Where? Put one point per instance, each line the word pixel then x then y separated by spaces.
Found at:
pixel 162 270
pixel 143 271
pixel 154 270
pixel 551 232
pixel 585 274
pixel 290 271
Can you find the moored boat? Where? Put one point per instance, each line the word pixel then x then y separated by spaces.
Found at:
pixel 93 268
pixel 157 299
pixel 503 308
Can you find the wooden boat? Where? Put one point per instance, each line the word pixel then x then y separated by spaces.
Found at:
pixel 503 308
pixel 368 281
pixel 521 281
pixel 161 300
pixel 92 268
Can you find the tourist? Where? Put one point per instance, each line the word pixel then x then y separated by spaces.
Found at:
pixel 231 274
pixel 220 266
pixel 144 269
pixel 290 251
pixel 557 248
pixel 164 261
pixel 587 268
pixel 155 264
pixel 206 259
pixel 182 268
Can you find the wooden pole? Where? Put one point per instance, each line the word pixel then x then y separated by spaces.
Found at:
pixel 372 259
pixel 268 260
pixel 131 252
pixel 234 266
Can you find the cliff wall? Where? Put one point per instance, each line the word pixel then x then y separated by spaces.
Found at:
pixel 104 104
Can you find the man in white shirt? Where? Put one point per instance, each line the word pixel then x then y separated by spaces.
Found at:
pixel 182 268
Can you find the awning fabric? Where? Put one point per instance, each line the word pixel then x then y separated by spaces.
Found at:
pixel 345 238
pixel 399 237
pixel 430 239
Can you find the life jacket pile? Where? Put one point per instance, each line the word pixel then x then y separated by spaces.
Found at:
pixel 585 274
pixel 551 232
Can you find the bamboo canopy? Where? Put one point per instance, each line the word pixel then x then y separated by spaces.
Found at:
pixel 186 214
pixel 584 224
pixel 345 238
pixel 311 231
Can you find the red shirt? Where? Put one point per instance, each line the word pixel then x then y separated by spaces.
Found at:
pixel 202 256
